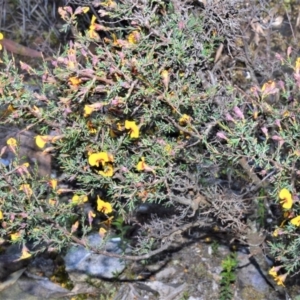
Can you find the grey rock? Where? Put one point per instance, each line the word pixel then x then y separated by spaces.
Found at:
pixel 250 275
pixel 128 291
pixel 10 262
pixel 41 265
pixel 84 263
pixel 6 162
pixel 43 288
pixel 10 280
pixel 167 292
pixel 165 273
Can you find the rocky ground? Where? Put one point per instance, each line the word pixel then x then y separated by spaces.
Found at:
pixel 191 271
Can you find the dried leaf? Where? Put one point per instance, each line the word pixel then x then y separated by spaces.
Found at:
pixel 74 226
pixel 219 52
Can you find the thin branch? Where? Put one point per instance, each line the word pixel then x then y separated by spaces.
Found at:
pixel 109 254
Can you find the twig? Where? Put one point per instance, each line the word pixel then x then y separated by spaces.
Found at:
pixel 290 23
pixel 121 256
pixel 257 181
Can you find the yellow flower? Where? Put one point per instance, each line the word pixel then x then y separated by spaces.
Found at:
pixel 85 9
pixel 141 165
pixel 280 279
pixel 41 140
pixel 296 221
pixel 108 170
pixel 273 272
pixel 88 109
pixel 74 81
pixel 53 183
pixel 133 37
pixel 268 85
pixel 286 199
pixel 102 232
pixel 276 232
pixel 12 142
pixel 1 38
pixel 92 29
pixel 26 189
pixel 91 214
pixel 71 64
pixel 15 236
pixel 35 109
pixel 119 126
pixel 95 159
pixel 269 88
pixel 10 109
pixel 184 119
pixel 134 130
pixel 207 239
pixel 109 3
pixel 52 202
pixel 76 199
pixel 216 228
pixel 91 127
pixel 165 74
pixel 1 215
pixel 165 78
pixel 25 165
pixel 23 169
pixel 25 253
pixel 297 152
pixel 297 65
pixel 168 149
pixel 103 206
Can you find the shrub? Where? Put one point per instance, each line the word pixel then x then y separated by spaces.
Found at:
pixel 139 114
pixel 127 121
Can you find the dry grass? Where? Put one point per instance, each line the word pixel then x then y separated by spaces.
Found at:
pixel 33 23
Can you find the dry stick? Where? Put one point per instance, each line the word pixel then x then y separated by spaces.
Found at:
pixel 180 230
pixel 16 48
pixel 257 181
pixel 290 23
pixel 93 76
pixel 130 257
pixel 41 119
pixel 192 133
pixel 248 60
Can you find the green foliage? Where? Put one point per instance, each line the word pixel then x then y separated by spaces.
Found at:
pixel 229 265
pixel 215 247
pixel 261 210
pixel 142 93
pixel 285 241
pixel 185 295
pixel 136 74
